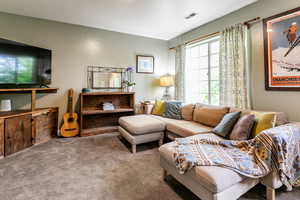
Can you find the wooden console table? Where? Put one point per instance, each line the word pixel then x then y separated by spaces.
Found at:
pixel 20 129
pixel 94 120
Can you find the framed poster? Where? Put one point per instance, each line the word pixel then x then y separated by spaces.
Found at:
pixel 282 50
pixel 144 64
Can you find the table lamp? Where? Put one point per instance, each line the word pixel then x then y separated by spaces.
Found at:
pixel 166 81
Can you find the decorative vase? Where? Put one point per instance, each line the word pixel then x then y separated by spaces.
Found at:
pixel 129 88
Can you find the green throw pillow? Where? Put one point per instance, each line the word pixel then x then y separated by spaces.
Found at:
pixel 227 123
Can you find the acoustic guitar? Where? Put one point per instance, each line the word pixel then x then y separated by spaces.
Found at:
pixel 70 127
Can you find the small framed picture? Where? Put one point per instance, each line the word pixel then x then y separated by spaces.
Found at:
pixel 144 64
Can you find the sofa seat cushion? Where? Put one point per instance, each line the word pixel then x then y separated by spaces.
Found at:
pixel 213 178
pixel 164 119
pixel 187 128
pixel 141 124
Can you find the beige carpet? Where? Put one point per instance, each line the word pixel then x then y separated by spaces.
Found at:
pixel 94 168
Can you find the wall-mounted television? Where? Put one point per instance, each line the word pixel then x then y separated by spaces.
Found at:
pixel 23 65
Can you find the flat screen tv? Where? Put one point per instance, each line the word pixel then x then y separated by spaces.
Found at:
pixel 22 65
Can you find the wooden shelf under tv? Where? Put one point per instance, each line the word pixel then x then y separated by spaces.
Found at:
pixel 94 120
pixel 28 90
pixel 32 91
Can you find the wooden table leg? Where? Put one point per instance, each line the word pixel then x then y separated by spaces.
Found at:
pixel 270 193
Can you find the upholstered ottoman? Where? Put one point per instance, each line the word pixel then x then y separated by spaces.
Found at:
pixel 140 129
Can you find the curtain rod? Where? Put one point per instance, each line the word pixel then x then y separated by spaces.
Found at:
pixel 247 23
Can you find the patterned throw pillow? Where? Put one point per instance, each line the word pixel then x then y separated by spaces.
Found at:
pixel 242 129
pixel 173 110
pixel 226 124
pixel 159 108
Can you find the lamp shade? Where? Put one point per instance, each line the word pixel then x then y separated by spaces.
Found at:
pixel 166 81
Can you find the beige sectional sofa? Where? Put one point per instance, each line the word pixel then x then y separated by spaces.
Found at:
pixel 208 183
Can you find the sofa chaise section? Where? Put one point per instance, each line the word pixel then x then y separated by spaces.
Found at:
pixel 207 182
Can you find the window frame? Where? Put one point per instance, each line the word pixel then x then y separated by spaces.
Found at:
pixel 209 68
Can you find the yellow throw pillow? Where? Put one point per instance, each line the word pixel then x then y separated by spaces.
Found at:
pixel 263 121
pixel 159 108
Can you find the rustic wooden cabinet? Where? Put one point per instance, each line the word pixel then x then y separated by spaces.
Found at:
pixel 46 126
pixel 22 129
pixel 17 134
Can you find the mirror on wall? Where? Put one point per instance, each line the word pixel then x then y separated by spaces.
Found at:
pixel 105 77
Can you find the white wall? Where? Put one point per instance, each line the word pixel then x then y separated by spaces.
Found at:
pixel 75 47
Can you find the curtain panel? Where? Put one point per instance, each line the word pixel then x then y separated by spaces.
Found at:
pixel 180 73
pixel 235 67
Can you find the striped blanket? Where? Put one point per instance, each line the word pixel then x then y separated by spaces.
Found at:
pixel 274 149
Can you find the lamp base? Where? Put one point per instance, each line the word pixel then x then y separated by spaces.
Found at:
pixel 167 96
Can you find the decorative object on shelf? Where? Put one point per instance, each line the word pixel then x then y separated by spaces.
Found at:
pixel 70 127
pixel 281 42
pixel 128 86
pixel 86 90
pixel 128 83
pixel 108 106
pixel 105 77
pixel 166 81
pixel 146 107
pixel 5 105
pixel 145 64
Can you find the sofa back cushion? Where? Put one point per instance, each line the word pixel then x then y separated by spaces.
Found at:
pixel 281 117
pixel 242 129
pixel 209 115
pixel 187 112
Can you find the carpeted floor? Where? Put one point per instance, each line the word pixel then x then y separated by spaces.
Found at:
pixel 95 168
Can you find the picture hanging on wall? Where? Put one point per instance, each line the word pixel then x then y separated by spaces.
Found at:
pixel 282 50
pixel 144 64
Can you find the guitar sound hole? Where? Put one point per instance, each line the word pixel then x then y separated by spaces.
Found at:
pixel 71 120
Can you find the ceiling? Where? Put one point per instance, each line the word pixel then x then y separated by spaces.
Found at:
pixel 161 19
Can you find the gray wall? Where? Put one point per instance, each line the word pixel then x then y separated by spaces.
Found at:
pixel 75 47
pixel 263 100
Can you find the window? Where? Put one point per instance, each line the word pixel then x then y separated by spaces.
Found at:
pixel 202 72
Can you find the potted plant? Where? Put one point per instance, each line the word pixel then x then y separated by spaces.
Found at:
pixel 129 85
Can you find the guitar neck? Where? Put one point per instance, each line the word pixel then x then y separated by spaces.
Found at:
pixel 70 101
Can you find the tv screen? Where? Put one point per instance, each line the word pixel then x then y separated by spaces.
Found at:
pixel 22 64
